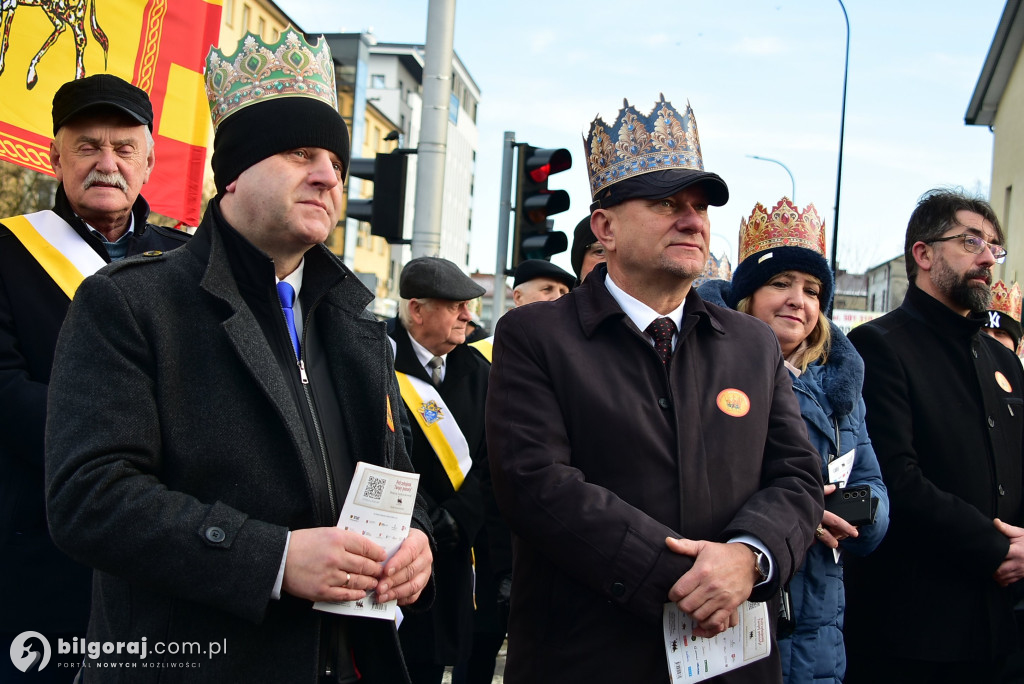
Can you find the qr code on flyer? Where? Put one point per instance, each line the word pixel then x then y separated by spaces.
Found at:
pixel 374 487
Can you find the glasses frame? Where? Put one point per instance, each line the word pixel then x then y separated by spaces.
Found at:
pixel 998 251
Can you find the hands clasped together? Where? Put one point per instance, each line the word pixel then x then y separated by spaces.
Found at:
pixel 721 579
pixel 331 564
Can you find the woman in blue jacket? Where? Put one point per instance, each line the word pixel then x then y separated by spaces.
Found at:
pixel 783 279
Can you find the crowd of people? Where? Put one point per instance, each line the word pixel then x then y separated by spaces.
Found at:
pixel 182 419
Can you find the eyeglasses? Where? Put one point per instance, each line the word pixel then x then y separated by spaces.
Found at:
pixel 975 245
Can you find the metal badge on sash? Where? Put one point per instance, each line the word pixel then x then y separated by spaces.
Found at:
pixel 55 245
pixel 438 425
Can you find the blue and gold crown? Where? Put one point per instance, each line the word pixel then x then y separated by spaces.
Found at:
pixel 638 144
pixel 291 67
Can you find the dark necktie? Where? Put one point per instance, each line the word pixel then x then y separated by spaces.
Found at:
pixel 662 329
pixel 435 370
pixel 286 293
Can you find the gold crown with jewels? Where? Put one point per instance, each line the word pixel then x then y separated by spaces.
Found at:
pixel 258 72
pixel 1007 299
pixel 783 226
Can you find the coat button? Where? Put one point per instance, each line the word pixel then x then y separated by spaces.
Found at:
pixel 618 589
pixel 975 352
pixel 664 403
pixel 215 534
pixel 991 421
pixel 1002 492
pixel 152 253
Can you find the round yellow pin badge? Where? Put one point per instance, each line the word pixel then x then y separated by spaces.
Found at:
pixel 733 402
pixel 1003 382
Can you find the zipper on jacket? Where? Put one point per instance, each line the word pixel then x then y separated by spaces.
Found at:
pixel 301 364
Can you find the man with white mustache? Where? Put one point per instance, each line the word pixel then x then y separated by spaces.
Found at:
pixel 102 153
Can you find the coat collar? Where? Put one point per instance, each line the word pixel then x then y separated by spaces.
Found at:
pixel 940 317
pixel 62 207
pixel 596 305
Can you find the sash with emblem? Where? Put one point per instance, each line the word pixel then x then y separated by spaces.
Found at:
pixel 485 347
pixel 438 425
pixel 55 245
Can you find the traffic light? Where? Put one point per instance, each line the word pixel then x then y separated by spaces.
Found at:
pixel 385 211
pixel 532 237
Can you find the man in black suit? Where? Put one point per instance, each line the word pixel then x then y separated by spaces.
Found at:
pixel 444 385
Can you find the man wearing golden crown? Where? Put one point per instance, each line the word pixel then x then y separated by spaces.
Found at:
pixel 945 416
pixel 646 449
pixel 1004 312
pixel 204 481
pixel 102 154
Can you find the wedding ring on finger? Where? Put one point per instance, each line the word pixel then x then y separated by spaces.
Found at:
pixel 348 578
pixel 820 532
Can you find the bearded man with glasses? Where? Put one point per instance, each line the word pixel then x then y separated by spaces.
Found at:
pixel 946 417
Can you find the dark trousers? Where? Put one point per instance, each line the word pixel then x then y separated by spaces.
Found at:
pixel 877 668
pixel 480 667
pixel 425 673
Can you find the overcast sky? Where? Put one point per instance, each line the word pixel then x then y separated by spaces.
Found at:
pixel 763 78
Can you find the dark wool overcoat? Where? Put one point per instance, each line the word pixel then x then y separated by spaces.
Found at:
pixel 946 417
pixel 43 589
pixel 598 453
pixel 177 460
pixel 443 634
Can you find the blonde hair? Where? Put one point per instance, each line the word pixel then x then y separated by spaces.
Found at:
pixel 816 345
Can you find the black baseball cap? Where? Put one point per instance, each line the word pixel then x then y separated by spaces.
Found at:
pixel 97 91
pixel 532 269
pixel 660 184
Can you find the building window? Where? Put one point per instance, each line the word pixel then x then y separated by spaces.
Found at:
pixel 261 25
pixel 377 81
pixel 229 12
pixel 245 17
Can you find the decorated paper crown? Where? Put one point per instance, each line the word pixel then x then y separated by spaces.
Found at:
pixel 291 67
pixel 783 226
pixel 1007 300
pixel 637 144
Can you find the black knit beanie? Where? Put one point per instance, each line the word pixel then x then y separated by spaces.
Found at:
pixel 758 268
pixel 263 129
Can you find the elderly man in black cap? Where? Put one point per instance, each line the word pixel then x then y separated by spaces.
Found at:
pixel 646 448
pixel 444 384
pixel 211 512
pixel 102 153
pixel 537 280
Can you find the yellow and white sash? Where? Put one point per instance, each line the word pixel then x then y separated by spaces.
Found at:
pixel 62 252
pixel 438 425
pixel 485 347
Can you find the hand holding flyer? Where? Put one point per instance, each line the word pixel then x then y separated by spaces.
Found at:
pixel 378 505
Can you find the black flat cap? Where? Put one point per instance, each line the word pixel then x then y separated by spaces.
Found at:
pixel 661 184
pixel 532 269
pixel 436 278
pixel 97 91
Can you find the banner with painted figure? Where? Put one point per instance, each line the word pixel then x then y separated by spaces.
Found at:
pixel 159 45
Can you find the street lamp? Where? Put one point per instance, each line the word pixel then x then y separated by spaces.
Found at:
pixel 792 195
pixel 842 123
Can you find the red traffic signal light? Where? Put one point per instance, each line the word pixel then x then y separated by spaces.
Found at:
pixel 532 237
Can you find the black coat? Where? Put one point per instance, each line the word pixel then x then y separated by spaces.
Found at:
pixel 598 454
pixel 949 439
pixel 443 634
pixel 43 589
pixel 197 434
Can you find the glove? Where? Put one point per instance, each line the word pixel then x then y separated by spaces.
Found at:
pixel 446 530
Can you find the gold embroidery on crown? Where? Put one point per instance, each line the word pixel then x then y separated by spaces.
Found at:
pixel 664 140
pixel 291 67
pixel 1007 300
pixel 783 226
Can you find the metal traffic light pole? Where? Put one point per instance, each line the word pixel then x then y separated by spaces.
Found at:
pixel 504 209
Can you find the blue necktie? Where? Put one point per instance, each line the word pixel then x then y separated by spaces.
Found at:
pixel 286 293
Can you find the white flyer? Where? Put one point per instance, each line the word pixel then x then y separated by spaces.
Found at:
pixel 378 505
pixel 839 469
pixel 694 659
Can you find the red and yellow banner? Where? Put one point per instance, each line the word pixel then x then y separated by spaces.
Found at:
pixel 159 45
